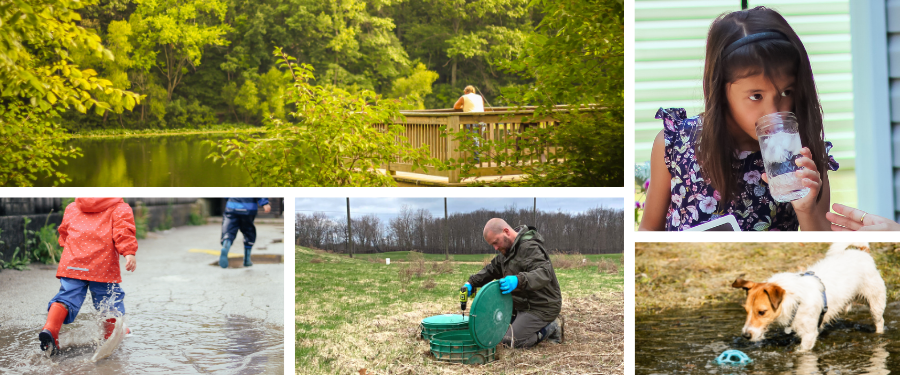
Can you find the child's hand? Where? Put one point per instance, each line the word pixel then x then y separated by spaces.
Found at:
pixel 130 263
pixel 267 208
pixel 810 178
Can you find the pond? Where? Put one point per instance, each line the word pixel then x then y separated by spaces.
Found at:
pixel 687 342
pixel 174 160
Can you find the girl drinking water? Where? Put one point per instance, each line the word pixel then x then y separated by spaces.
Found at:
pixel 709 166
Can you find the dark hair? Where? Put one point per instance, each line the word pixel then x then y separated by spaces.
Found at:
pixel 771 57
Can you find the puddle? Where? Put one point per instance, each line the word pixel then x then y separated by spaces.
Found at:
pixel 165 341
pixel 238 262
pixel 687 341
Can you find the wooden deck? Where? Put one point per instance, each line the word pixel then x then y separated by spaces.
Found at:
pixel 424 128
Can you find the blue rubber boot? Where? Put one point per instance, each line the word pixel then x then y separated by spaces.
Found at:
pixel 223 258
pixel 247 262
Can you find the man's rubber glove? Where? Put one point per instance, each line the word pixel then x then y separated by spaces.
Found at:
pixel 469 288
pixel 508 284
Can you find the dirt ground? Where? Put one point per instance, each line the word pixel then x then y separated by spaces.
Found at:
pixel 689 275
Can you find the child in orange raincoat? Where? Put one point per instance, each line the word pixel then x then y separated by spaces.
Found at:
pixel 93 233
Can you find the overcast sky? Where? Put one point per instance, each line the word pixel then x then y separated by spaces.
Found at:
pixel 388 208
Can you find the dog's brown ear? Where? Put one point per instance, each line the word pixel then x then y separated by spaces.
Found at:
pixel 776 295
pixel 744 284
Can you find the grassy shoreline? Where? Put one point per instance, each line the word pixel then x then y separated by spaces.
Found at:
pixel 117 132
pixel 689 275
pixel 354 314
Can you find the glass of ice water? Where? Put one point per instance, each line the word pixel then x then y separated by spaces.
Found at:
pixel 779 142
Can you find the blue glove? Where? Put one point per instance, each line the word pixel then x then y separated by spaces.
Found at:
pixel 469 287
pixel 508 284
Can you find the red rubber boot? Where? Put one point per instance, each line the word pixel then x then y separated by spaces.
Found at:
pixel 109 326
pixel 50 333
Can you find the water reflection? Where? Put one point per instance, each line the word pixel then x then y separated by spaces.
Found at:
pixel 687 341
pixel 166 341
pixel 148 161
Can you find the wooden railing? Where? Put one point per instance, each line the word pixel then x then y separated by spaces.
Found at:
pixel 423 128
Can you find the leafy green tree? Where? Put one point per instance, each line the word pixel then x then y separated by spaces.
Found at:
pixel 39 79
pixel 247 100
pixel 413 89
pixel 174 33
pixel 576 57
pixel 341 139
pixel 464 40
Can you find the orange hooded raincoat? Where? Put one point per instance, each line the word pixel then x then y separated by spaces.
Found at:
pixel 93 233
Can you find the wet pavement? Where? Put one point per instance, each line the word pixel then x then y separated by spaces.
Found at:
pixel 688 341
pixel 186 316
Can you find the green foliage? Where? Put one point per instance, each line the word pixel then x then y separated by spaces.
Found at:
pixel 39 78
pixel 335 143
pixel 46 245
pixel 141 226
pixel 65 203
pixel 576 56
pixel 172 34
pixel 413 89
pixel 168 221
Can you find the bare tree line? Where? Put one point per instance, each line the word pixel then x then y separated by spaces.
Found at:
pixel 595 231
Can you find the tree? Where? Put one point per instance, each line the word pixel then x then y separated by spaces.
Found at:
pixel 39 79
pixel 340 139
pixel 576 57
pixel 173 33
pixel 413 89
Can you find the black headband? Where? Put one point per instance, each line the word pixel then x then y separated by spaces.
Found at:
pixel 753 38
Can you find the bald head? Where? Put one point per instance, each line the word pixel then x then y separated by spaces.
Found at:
pixel 499 234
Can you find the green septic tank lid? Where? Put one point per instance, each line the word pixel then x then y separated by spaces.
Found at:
pixel 490 315
pixel 446 320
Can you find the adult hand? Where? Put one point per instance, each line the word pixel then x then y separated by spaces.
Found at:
pixel 469 288
pixel 508 284
pixel 809 177
pixel 267 208
pixel 852 219
pixel 130 263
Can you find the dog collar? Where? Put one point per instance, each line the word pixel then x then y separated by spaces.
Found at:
pixel 824 300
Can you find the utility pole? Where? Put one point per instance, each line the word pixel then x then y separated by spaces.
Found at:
pixel 446 236
pixel 349 233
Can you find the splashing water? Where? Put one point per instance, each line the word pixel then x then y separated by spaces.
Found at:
pixel 164 340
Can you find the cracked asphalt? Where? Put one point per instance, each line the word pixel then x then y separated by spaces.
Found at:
pixel 190 315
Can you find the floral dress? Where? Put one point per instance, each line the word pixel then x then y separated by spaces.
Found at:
pixel 694 201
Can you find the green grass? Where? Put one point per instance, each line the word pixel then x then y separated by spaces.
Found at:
pixel 119 132
pixel 690 275
pixel 403 256
pixel 355 313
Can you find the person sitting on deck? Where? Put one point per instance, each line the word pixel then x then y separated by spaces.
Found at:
pixel 470 101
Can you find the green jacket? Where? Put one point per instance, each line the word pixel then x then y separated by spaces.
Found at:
pixel 538 290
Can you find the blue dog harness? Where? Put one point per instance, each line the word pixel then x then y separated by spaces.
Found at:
pixel 824 299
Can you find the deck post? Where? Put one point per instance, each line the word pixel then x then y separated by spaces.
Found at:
pixel 453 147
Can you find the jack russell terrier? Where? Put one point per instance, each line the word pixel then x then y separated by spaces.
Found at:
pixel 804 302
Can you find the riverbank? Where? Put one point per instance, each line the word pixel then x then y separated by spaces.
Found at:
pixel 214 129
pixel 688 275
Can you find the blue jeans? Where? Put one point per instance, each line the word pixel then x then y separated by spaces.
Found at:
pixel 231 223
pixel 72 293
pixel 476 130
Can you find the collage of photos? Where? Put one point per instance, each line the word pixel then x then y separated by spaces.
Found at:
pixel 445 187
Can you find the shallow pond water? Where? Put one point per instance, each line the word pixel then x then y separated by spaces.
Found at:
pixel 687 342
pixel 166 341
pixel 173 160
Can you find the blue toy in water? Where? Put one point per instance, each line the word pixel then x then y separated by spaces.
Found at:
pixel 733 357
